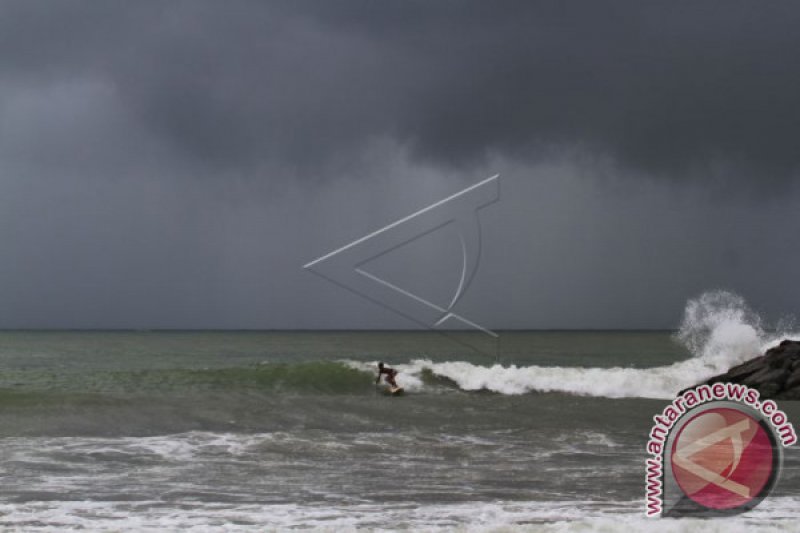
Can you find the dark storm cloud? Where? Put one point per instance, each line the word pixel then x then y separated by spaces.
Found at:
pixel 673 89
pixel 175 163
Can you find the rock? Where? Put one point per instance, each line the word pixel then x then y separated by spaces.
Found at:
pixel 768 381
pixel 794 379
pixel 776 374
pixel 745 369
pixel 790 394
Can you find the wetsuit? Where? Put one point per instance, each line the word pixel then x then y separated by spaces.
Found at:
pixel 390 374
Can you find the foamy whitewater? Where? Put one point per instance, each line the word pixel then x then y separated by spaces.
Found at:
pixel 718 329
pixel 276 431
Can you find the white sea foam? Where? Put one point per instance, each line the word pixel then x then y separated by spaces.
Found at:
pixel 718 329
pixel 156 498
pixel 470 517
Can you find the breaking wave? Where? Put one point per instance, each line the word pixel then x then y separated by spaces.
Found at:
pixel 718 328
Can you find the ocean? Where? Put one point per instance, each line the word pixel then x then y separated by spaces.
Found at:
pixel 276 431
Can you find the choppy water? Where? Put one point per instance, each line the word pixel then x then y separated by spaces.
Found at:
pixel 257 431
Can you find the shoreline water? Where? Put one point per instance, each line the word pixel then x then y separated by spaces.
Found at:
pixel 213 431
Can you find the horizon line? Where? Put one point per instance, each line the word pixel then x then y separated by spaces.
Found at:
pixel 325 330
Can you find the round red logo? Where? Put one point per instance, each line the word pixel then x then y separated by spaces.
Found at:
pixel 723 459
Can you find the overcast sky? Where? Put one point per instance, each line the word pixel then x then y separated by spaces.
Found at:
pixel 175 164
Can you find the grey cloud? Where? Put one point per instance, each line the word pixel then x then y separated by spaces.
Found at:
pixel 173 164
pixel 670 89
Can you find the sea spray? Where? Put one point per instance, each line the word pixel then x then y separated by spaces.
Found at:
pixel 719 328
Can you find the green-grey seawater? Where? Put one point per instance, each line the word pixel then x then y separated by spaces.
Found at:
pixel 249 430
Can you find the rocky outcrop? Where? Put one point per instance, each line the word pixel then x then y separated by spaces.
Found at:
pixel 776 374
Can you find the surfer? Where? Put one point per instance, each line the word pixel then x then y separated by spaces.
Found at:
pixel 390 374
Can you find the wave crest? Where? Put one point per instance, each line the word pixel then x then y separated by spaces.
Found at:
pixel 718 329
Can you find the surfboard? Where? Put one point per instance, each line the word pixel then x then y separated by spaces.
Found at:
pixel 394 391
